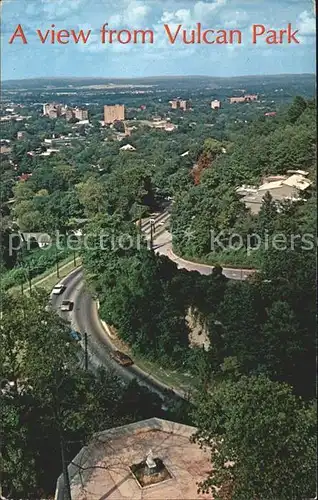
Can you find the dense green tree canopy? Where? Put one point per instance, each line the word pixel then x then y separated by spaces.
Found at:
pixel 261 438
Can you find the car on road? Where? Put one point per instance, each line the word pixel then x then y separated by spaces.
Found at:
pixel 122 358
pixel 66 305
pixel 75 335
pixel 58 289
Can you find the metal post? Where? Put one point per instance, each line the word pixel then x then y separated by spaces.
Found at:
pixel 151 236
pixel 86 351
pixel 57 265
pixel 29 278
pixel 140 220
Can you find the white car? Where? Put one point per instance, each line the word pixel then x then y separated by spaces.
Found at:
pixel 58 289
pixel 66 305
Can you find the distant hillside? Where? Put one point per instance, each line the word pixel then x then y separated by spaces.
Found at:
pixel 166 81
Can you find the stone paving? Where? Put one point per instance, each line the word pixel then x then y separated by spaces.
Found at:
pixel 101 470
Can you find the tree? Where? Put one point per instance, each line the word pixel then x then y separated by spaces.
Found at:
pixel 296 109
pixel 9 242
pixel 53 407
pixel 267 215
pixel 93 196
pixel 261 439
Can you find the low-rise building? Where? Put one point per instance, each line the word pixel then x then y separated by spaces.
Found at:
pixel 24 177
pixel 215 104
pixel 5 150
pixel 243 98
pixel 281 188
pixel 170 127
pixel 127 147
pixel 21 135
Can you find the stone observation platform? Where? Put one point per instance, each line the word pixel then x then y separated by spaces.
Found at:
pixel 151 459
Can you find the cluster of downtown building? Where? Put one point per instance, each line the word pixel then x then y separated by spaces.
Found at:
pixel 54 110
pixel 116 112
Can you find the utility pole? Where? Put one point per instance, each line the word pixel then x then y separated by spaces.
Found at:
pixel 74 258
pixel 151 235
pixel 29 278
pixel 140 220
pixel 57 265
pixel 86 351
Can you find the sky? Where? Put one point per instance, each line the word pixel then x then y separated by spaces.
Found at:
pixel 94 59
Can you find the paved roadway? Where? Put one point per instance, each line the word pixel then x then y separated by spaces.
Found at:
pixel 84 317
pixel 163 246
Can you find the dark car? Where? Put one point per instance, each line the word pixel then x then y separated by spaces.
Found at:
pixel 122 358
pixel 75 335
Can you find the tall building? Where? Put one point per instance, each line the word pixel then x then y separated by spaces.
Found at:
pixel 180 104
pixel 174 104
pixel 114 113
pixel 215 104
pixel 81 114
pixel 183 104
pixel 69 114
pixel 52 110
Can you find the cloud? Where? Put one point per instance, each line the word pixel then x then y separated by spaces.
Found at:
pixel 60 8
pixel 235 20
pixel 200 11
pixel 204 11
pixel 133 13
pixel 306 24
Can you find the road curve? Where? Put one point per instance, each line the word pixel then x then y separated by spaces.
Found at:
pixel 84 318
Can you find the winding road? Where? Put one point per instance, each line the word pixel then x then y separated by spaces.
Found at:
pixel 84 316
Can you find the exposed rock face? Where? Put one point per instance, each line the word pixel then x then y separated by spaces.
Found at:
pixel 198 335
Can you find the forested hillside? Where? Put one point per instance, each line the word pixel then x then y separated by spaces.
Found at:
pixel 253 385
pixel 262 148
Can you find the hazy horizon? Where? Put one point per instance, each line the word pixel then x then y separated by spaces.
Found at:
pixel 154 77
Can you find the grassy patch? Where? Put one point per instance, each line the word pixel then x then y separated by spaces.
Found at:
pixel 173 378
pixel 48 279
